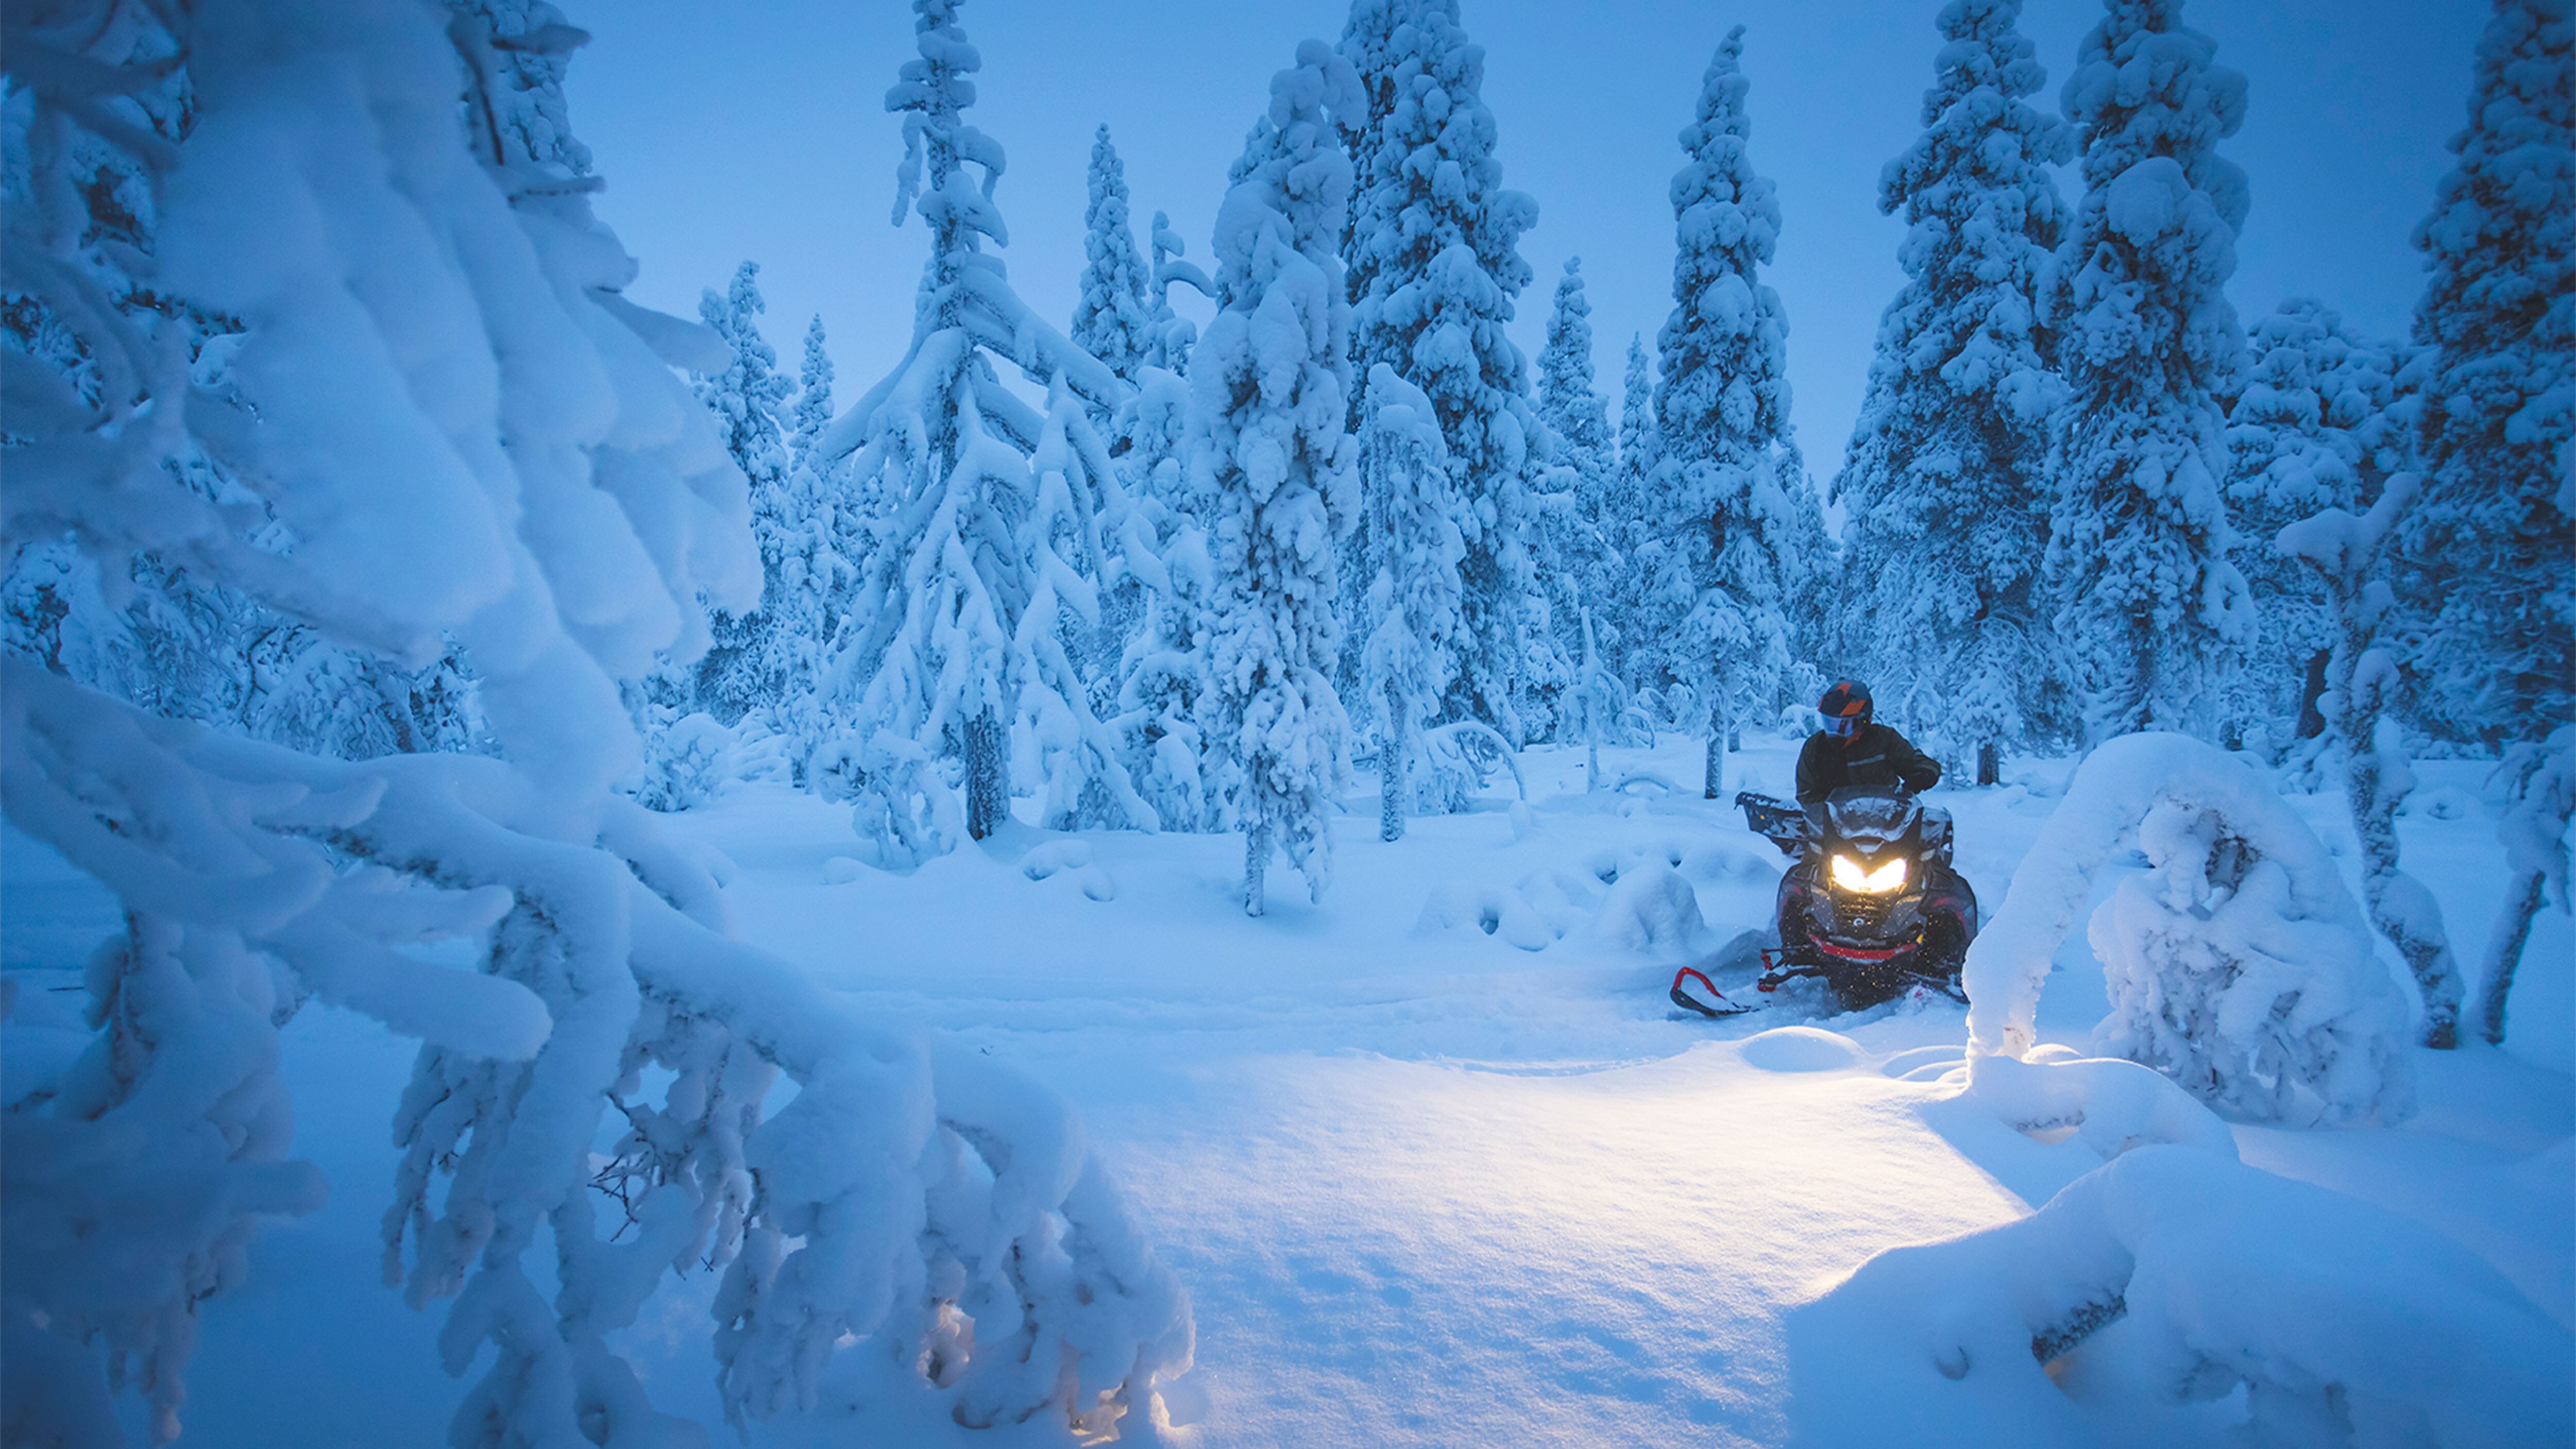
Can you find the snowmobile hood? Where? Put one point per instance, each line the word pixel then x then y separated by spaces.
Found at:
pixel 1870 820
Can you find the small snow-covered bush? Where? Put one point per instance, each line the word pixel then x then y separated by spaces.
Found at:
pixel 685 764
pixel 900 798
pixel 2238 964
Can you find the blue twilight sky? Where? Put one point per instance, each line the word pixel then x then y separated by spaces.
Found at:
pixel 757 129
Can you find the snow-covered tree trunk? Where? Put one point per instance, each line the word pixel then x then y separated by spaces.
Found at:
pixel 2487 549
pixel 2148 606
pixel 1268 448
pixel 1946 487
pixel 2542 795
pixel 2361 687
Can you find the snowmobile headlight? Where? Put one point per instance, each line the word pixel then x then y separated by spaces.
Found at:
pixel 1848 874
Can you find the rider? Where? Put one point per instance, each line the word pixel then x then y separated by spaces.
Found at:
pixel 1852 750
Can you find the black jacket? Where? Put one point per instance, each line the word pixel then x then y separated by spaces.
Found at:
pixel 1877 757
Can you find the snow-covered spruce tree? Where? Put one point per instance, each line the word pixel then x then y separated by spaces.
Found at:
pixel 2487 552
pixel 1629 531
pixel 991 529
pixel 2540 785
pixel 1578 512
pixel 1433 250
pixel 1110 321
pixel 1269 450
pixel 2360 695
pixel 1412 610
pixel 1717 504
pixel 2314 428
pixel 2148 606
pixel 468 434
pixel 824 536
pixel 1946 486
pixel 741 671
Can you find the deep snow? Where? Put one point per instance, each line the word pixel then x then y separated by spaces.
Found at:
pixel 1424 1185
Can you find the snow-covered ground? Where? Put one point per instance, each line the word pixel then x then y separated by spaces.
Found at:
pixel 1434 1159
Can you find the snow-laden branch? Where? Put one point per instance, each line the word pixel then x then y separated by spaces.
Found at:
pixel 928 1203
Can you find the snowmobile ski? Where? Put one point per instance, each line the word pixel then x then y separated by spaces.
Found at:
pixel 1705 999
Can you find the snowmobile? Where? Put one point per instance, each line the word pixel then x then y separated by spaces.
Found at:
pixel 1871 909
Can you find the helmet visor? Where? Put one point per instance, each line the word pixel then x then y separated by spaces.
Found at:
pixel 1843 726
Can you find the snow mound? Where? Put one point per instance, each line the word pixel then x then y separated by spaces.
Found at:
pixel 1651 908
pixel 2154 1287
pixel 1802 1049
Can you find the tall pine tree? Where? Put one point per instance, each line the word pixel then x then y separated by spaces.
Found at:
pixel 1110 321
pixel 1272 454
pixel 1433 251
pixel 1946 487
pixel 1579 511
pixel 2487 550
pixel 1719 561
pixel 741 671
pixel 2148 605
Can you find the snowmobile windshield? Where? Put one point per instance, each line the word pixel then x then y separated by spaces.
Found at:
pixel 1873 817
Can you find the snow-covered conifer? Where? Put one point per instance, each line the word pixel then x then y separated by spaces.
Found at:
pixel 741 671
pixel 1270 452
pixel 2148 605
pixel 1946 487
pixel 2361 689
pixel 1411 613
pixel 1434 255
pixel 823 537
pixel 1579 561
pixel 1110 321
pixel 1631 622
pixel 2313 429
pixel 990 530
pixel 1717 563
pixel 2487 553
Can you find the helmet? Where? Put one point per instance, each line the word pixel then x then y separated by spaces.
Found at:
pixel 1846 708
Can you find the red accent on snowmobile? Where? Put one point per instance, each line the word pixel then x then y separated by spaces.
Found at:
pixel 1862 953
